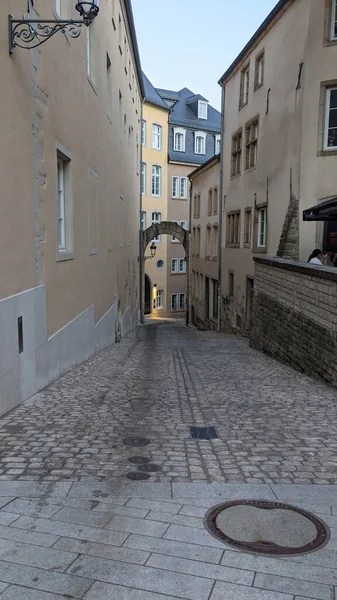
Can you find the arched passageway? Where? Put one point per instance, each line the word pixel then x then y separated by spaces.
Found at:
pixel 147 291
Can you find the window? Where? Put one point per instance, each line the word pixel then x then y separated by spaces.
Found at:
pixel 159 298
pixel 64 204
pixel 217 144
pixel 233 229
pixel 175 187
pixel 236 153
pixel 174 301
pixel 143 132
pixel 156 180
pixel 208 242
pixel 334 20
pixel 198 206
pixel 202 109
pixel 247 227
pixel 244 86
pixel 182 301
pixel 193 241
pixel 178 265
pixel 143 177
pixel 179 139
pixel 331 120
pixel 156 136
pixel 156 219
pixel 215 201
pixel 251 135
pixel 61 9
pixel 182 224
pixel 197 244
pixel 261 227
pixel 109 84
pixel 215 298
pixel 259 70
pixel 215 243
pixel 200 143
pixel 143 220
pixel 183 187
pixel 91 55
pixel 210 202
pixel 230 284
pixel 160 264
pixel 195 206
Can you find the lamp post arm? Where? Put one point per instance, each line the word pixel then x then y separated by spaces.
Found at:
pixel 31 33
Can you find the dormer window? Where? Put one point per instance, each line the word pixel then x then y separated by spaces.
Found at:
pixel 202 109
pixel 217 144
pixel 179 139
pixel 200 142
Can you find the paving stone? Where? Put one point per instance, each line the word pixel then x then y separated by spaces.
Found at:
pixel 35 556
pixel 80 532
pixel 82 517
pixel 192 536
pixel 106 591
pixel 172 548
pixel 219 491
pixel 165 507
pixel 144 578
pixel 14 592
pixel 323 558
pixel 176 519
pixel 6 518
pixel 4 501
pixel 27 536
pixel 313 494
pixel 137 557
pixel 192 567
pixel 33 508
pixel 124 511
pixel 143 527
pixel 193 511
pixel 293 586
pixel 39 579
pixel 29 489
pixel 271 566
pixel 101 491
pixel 229 591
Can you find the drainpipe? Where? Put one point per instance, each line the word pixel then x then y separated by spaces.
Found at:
pixel 189 264
pixel 221 206
pixel 141 251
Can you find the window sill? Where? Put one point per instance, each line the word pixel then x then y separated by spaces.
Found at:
pixel 120 49
pixel 155 196
pixel 330 42
pixel 93 252
pixel 182 151
pixel 258 86
pixel 200 153
pixel 215 259
pixel 232 245
pixel 247 245
pixel 92 84
pixel 250 169
pixel 178 273
pixel 241 106
pixel 113 23
pixel 235 176
pixel 332 152
pixel 62 256
pixel 157 149
pixel 260 250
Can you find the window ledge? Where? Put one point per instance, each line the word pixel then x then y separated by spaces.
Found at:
pixel 250 169
pixel 259 250
pixel 241 106
pixel 235 176
pixel 232 245
pixel 92 84
pixel 157 149
pixel 113 23
pixel 247 245
pixel 61 256
pixel 330 42
pixel 332 152
pixel 93 252
pixel 258 86
pixel 215 259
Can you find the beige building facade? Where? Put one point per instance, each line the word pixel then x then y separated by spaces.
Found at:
pixel 205 182
pixel 279 146
pixel 70 161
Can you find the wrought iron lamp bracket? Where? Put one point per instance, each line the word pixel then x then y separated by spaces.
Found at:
pixel 31 33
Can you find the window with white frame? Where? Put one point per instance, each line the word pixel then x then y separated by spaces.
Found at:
pixel 236 154
pixel 182 301
pixel 179 139
pixel 156 180
pixel 143 220
pixel 143 178
pixel 259 70
pixel 61 8
pixel 244 86
pixel 143 132
pixel 64 204
pixel 202 109
pixel 160 299
pixel 182 224
pixel 200 143
pixel 91 55
pixel 217 144
pixel 156 136
pixel 330 142
pixel 334 20
pixel 156 219
pixel 183 187
pixel 175 187
pixel 174 301
pixel 251 137
pixel 178 265
pixel 262 227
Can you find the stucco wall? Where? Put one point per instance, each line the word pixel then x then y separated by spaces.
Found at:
pixel 295 315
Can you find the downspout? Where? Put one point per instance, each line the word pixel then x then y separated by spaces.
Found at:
pixel 141 251
pixel 189 294
pixel 221 206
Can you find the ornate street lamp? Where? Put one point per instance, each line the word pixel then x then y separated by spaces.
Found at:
pixel 31 33
pixel 153 249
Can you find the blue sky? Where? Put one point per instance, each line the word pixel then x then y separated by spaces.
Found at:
pixel 190 43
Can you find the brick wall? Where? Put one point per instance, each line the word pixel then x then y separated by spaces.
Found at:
pixel 295 315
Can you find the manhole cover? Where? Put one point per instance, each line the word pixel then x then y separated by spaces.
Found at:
pixel 267 527
pixel 150 468
pixel 137 476
pixel 203 433
pixel 136 441
pixel 139 460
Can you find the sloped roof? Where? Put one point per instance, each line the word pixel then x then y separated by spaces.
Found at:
pixel 182 114
pixel 151 94
pixel 195 98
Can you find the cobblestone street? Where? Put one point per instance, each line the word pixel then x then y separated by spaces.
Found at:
pixel 274 425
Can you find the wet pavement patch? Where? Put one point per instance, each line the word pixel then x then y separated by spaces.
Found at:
pixel 137 476
pixel 136 441
pixel 203 433
pixel 139 460
pixel 268 528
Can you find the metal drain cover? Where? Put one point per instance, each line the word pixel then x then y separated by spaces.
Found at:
pixel 136 441
pixel 203 433
pixel 268 528
pixel 137 476
pixel 139 460
pixel 149 468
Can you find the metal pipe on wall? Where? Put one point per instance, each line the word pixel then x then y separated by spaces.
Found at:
pixel 221 207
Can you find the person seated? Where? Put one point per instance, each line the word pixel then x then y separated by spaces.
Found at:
pixel 316 257
pixel 330 258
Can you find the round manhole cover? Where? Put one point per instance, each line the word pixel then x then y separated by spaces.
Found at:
pixel 150 468
pixel 137 476
pixel 268 528
pixel 139 460
pixel 136 441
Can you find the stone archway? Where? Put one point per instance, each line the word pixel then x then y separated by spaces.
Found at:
pixel 166 228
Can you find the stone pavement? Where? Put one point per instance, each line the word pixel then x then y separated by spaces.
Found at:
pixel 143 541
pixel 274 425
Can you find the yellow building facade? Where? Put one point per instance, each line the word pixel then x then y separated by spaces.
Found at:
pixel 154 170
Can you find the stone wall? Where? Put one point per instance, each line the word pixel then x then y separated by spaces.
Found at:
pixel 295 315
